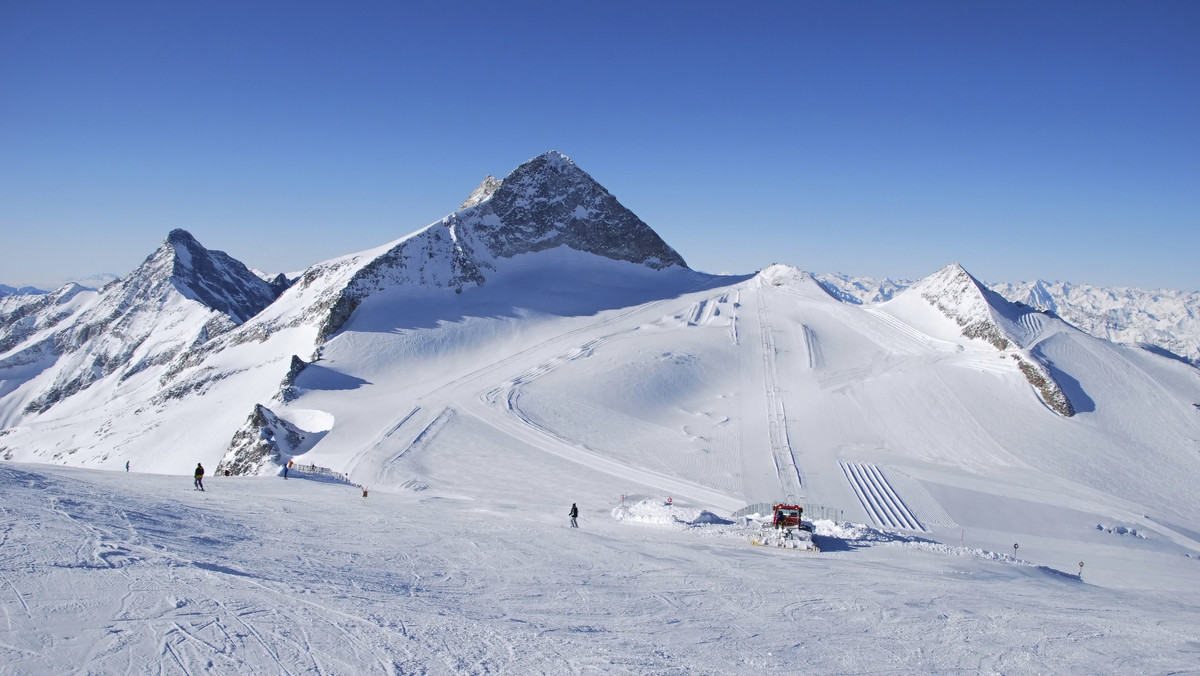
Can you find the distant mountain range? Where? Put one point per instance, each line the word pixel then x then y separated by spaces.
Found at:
pixel 195 351
pixel 1162 320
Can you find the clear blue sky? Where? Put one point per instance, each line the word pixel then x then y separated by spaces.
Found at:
pixel 1022 139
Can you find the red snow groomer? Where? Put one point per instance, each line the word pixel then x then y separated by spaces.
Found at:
pixel 788 516
pixel 786 530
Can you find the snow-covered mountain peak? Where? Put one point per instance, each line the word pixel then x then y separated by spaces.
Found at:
pixel 549 202
pixel 181 296
pixel 213 278
pixel 959 296
pixel 983 314
pixel 781 274
pixel 482 193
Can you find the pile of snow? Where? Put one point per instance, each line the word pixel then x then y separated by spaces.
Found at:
pixel 1119 530
pixel 654 512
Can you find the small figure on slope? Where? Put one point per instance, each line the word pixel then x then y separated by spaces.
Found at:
pixel 199 477
pixel 574 513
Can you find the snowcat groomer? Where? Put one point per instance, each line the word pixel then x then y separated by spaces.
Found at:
pixel 786 530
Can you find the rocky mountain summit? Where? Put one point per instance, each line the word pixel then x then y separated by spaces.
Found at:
pixel 54 346
pixel 546 203
pixel 549 202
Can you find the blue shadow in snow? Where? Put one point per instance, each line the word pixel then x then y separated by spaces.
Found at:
pixel 317 377
pixel 1079 399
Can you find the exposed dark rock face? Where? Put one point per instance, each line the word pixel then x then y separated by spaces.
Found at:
pixel 280 283
pixel 1039 376
pixel 263 441
pixel 549 202
pixel 211 277
pixel 287 388
pixel 111 335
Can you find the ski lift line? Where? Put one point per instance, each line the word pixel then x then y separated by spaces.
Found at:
pixel 783 455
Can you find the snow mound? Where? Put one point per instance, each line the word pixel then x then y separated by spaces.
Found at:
pixel 659 513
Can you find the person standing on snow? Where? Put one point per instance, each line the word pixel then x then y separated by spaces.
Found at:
pixel 199 477
pixel 126 465
pixel 574 513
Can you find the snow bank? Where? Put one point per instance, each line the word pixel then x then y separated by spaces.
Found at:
pixel 660 513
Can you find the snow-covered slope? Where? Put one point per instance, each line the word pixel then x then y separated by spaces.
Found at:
pixel 539 347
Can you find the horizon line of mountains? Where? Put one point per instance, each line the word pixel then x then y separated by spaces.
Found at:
pixel 547 203
pixel 1166 320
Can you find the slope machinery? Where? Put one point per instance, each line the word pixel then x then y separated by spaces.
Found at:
pixel 785 530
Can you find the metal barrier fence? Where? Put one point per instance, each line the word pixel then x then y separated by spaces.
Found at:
pixel 316 470
pixel 811 512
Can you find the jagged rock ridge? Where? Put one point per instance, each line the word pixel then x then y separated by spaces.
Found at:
pixel 985 315
pixel 181 296
pixel 213 278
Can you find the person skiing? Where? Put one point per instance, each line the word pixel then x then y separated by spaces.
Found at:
pixel 574 513
pixel 199 477
pixel 126 465
pixel 285 470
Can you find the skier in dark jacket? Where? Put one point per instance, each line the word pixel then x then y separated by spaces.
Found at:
pixel 574 513
pixel 199 477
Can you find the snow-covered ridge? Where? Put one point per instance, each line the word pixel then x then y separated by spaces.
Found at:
pixel 1160 319
pixel 6 290
pixel 55 346
pixel 984 315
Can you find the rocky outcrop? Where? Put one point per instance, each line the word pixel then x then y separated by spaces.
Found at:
pixel 287 388
pixel 483 192
pixel 260 444
pixel 549 202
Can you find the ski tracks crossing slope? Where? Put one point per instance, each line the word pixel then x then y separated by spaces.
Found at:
pixel 497 405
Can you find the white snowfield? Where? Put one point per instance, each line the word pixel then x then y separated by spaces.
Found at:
pixel 661 402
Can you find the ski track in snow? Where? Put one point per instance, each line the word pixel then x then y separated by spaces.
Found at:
pixel 790 479
pixel 116 573
pixel 878 497
pixel 498 405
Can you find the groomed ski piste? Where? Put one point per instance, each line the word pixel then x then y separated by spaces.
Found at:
pixel 661 404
